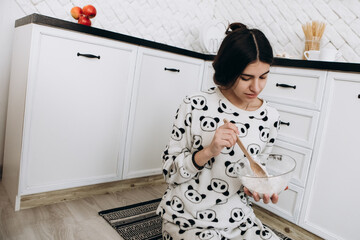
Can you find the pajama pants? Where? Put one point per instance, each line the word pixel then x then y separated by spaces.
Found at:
pixel 256 231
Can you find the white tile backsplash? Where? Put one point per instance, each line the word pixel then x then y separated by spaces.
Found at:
pixel 179 22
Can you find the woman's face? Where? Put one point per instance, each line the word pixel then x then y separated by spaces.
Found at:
pixel 251 82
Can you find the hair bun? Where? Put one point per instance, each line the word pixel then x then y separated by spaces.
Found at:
pixel 235 27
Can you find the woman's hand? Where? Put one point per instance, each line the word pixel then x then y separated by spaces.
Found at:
pixel 225 136
pixel 266 198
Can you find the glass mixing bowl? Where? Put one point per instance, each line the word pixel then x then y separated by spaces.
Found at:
pixel 279 168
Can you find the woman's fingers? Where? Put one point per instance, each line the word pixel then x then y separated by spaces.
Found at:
pixel 274 198
pixel 232 127
pixel 225 138
pixel 266 198
pixel 247 192
pixel 256 196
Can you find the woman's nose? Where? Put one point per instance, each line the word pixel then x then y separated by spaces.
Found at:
pixel 255 85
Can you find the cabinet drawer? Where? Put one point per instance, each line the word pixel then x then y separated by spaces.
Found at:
pixel 302 157
pixel 296 87
pixel 298 125
pixel 288 206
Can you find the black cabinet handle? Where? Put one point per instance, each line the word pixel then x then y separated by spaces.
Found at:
pixel 172 69
pixel 285 85
pixel 285 123
pixel 359 96
pixel 88 55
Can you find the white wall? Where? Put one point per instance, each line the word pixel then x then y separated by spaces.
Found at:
pixel 9 12
pixel 179 22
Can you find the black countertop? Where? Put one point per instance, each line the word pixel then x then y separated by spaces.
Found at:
pixel 285 62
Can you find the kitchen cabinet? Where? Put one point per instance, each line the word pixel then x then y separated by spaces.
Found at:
pixel 297 94
pixel 208 78
pixel 331 202
pixel 69 101
pixel 162 80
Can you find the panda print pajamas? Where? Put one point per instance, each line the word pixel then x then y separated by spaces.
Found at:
pixel 210 203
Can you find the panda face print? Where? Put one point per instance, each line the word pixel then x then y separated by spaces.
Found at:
pixel 207 215
pixel 194 196
pixel 208 124
pixel 246 225
pixel 210 163
pixel 243 197
pixel 220 202
pixel 224 108
pixel 264 133
pixel 166 236
pixel 177 113
pixel 210 90
pixel 173 169
pixel 219 186
pixel 188 120
pixel 228 150
pixel 243 128
pixel 187 100
pixel 254 149
pixel 236 215
pixel 166 193
pixel 197 102
pixel 231 169
pixel 166 151
pixel 183 223
pixel 184 173
pixel 260 116
pixel 196 178
pixel 167 157
pixel 207 234
pixel 162 211
pixel 176 204
pixel 264 233
pixel 177 133
pixel 197 141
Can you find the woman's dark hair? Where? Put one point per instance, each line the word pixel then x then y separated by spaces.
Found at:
pixel 240 47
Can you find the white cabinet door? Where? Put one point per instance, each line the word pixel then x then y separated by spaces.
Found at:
pixel 76 110
pixel 288 206
pixel 331 207
pixel 162 81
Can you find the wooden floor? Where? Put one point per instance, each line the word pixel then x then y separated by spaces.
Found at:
pixel 78 219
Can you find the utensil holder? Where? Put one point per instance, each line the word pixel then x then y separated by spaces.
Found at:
pixel 312 44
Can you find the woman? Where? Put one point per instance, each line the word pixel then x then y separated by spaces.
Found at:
pixel 205 199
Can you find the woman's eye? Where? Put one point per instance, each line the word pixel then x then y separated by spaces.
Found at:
pixel 245 79
pixel 263 77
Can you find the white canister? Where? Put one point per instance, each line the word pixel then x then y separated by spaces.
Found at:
pixel 329 55
pixel 312 55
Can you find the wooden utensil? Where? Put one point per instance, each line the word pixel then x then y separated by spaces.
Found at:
pixel 258 171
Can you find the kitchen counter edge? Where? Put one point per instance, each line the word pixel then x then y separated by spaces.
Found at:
pixel 283 62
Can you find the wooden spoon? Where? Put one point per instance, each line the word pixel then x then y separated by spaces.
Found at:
pixel 258 171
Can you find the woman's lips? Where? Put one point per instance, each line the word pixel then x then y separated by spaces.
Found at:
pixel 253 95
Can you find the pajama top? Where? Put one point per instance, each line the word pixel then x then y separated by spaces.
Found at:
pixel 212 197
